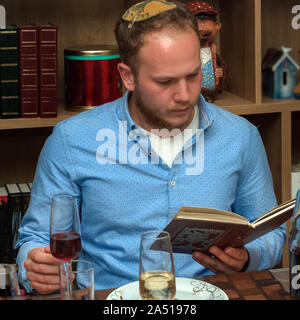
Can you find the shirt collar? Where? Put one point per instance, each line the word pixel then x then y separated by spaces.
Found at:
pixel 205 114
pixel 124 113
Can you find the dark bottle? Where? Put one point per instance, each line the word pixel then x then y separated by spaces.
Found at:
pixel 294 248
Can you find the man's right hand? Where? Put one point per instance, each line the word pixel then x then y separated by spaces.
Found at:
pixel 42 270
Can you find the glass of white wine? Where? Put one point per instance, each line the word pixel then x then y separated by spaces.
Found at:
pixel 157 275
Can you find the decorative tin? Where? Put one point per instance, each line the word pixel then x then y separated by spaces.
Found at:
pixel 91 76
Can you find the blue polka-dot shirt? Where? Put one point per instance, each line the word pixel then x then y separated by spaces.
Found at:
pixel 123 187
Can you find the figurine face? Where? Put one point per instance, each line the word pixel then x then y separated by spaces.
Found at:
pixel 208 30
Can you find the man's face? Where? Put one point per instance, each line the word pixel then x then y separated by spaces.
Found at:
pixel 168 80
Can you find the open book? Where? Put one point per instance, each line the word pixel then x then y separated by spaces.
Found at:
pixel 196 228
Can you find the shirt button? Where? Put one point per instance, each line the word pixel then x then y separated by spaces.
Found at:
pixel 173 183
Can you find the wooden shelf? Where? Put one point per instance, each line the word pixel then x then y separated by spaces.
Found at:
pixel 227 99
pixel 240 106
pixel 26 123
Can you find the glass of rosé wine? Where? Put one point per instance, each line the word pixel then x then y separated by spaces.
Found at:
pixel 65 235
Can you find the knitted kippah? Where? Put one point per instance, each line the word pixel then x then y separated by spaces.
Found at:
pixel 146 9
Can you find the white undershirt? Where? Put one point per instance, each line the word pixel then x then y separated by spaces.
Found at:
pixel 168 147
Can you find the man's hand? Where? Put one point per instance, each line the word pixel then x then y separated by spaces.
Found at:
pixel 227 260
pixel 42 270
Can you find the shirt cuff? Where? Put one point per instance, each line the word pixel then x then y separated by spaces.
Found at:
pixel 22 256
pixel 254 258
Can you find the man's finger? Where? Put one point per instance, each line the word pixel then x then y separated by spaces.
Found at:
pixel 44 288
pixel 235 258
pixel 237 253
pixel 42 255
pixel 43 278
pixel 225 258
pixel 41 268
pixel 213 264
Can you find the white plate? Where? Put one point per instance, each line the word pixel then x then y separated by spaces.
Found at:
pixel 186 289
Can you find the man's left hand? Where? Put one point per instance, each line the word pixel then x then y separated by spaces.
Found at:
pixel 226 261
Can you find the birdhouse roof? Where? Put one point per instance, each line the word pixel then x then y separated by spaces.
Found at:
pixel 274 58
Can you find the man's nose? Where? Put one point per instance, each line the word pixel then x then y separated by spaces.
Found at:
pixel 182 92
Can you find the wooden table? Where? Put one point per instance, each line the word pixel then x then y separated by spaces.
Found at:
pixel 258 285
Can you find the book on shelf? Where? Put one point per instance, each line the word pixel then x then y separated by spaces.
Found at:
pixel 5 252
pixel 15 216
pixel 25 197
pixel 28 71
pixel 47 48
pixel 14 202
pixel 9 73
pixel 196 228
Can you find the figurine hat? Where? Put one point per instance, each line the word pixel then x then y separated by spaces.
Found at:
pixel 201 7
pixel 146 9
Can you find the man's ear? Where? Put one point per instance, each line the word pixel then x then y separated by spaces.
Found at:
pixel 126 76
pixel 218 25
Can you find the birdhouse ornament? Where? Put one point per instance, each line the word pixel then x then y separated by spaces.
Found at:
pixel 279 73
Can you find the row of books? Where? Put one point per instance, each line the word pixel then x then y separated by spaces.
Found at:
pixel 14 201
pixel 28 71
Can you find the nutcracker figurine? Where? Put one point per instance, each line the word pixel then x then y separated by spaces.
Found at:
pixel 213 67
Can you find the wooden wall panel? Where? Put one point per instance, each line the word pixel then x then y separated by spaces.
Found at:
pixel 79 22
pixel 277 30
pixel 20 150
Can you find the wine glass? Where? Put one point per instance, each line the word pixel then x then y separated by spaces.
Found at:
pixel 77 280
pixel 65 239
pixel 156 274
pixel 9 285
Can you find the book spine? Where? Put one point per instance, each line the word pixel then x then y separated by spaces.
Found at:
pixel 15 213
pixel 3 213
pixel 28 67
pixel 25 192
pixel 4 228
pixel 47 48
pixel 25 202
pixel 9 73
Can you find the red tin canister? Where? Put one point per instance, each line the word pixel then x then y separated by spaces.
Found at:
pixel 91 76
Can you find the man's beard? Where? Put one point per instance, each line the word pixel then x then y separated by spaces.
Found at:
pixel 154 121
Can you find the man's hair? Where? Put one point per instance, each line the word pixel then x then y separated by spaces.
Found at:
pixel 130 40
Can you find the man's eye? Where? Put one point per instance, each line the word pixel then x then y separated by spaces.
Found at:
pixel 194 75
pixel 164 82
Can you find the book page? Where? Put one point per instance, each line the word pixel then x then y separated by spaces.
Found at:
pixel 208 214
pixel 283 209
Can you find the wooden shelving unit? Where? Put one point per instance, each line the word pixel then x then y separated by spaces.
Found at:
pixel 249 28
pixel 26 123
